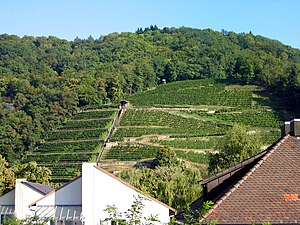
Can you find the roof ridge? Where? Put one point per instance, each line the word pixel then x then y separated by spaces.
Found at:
pixel 35 183
pixel 245 177
pixel 42 188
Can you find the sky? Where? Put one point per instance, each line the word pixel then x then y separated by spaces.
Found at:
pixel 68 19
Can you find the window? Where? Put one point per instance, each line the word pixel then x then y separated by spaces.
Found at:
pixel 1 219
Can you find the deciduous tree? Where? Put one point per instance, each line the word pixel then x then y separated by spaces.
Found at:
pixel 238 146
pixel 32 172
pixel 7 177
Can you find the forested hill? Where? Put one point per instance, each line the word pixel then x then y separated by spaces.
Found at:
pixel 45 80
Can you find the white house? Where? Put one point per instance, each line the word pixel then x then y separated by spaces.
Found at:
pixel 16 202
pixel 83 200
pixel 101 188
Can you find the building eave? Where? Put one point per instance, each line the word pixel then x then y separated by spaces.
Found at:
pixel 130 186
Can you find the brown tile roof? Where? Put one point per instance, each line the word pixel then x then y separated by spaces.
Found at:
pixel 270 191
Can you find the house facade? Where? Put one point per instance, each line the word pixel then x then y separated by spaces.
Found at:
pixel 101 189
pixel 83 200
pixel 16 201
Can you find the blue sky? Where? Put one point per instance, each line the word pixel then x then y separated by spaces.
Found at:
pixel 68 19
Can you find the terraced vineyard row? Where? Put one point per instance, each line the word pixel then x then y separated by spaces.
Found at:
pixel 86 124
pixel 66 157
pixel 131 152
pixel 145 124
pixel 257 118
pixel 78 140
pixel 78 134
pixel 105 113
pixel 195 93
pixel 209 143
pixel 64 171
pixel 192 118
pixel 71 147
pixel 167 123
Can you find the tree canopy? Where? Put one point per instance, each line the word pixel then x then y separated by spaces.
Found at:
pixel 238 145
pixel 7 178
pixel 172 182
pixel 31 171
pixel 44 80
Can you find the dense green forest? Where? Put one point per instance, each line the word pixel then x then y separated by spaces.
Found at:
pixel 45 80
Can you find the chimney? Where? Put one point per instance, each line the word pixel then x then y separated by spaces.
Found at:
pixel 285 128
pixel 295 127
pixel 20 195
pixel 292 128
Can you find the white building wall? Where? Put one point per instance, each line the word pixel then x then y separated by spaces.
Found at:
pixel 24 196
pixel 88 200
pixel 100 190
pixel 48 199
pixel 69 194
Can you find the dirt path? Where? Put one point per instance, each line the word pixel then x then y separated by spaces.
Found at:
pixel 111 132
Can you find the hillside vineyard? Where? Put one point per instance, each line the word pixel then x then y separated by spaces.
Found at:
pixel 59 100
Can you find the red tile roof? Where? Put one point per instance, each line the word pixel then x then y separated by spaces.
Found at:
pixel 270 191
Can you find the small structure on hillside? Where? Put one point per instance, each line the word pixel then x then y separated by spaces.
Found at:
pixel 124 103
